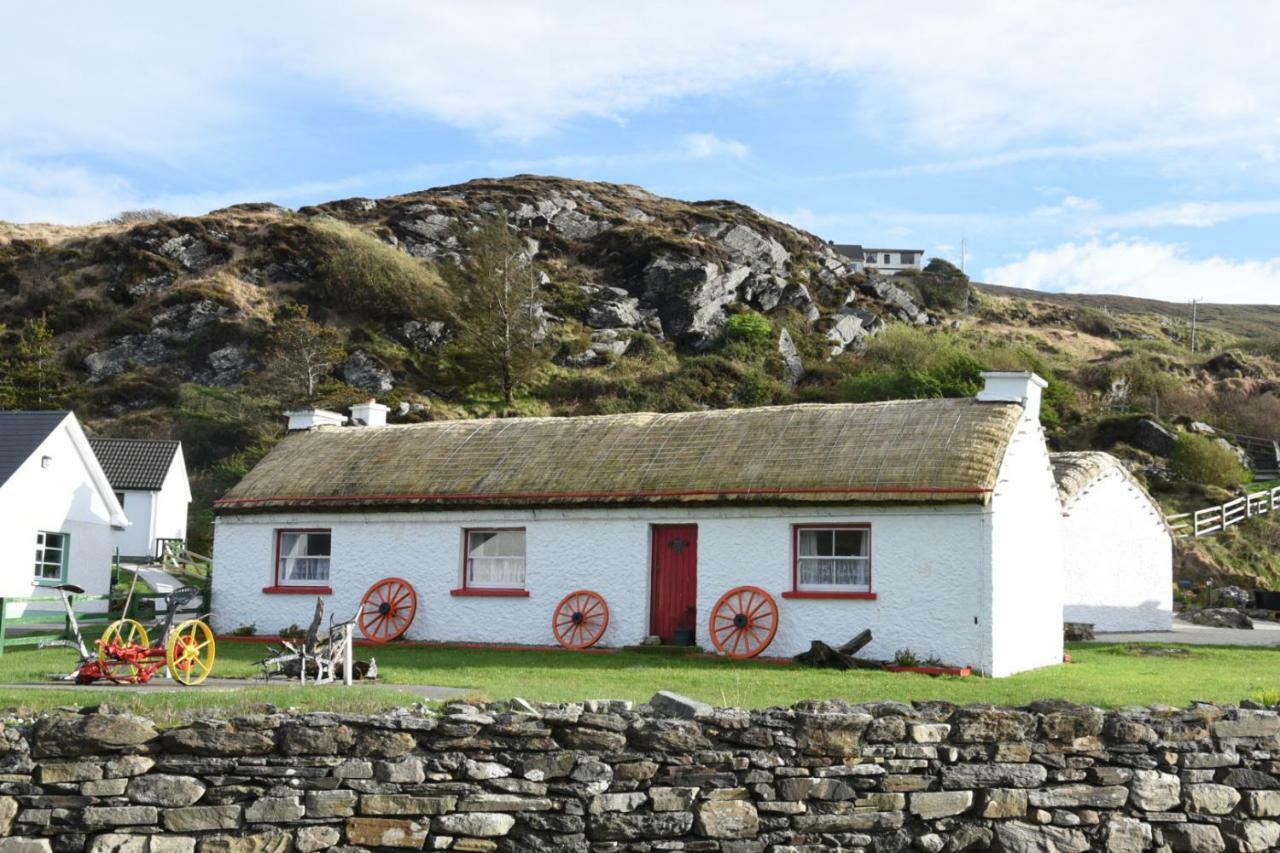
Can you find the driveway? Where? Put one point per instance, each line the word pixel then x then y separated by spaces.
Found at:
pixel 1263 634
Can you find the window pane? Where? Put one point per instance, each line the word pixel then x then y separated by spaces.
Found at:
pixel 318 544
pixel 496 558
pixel 290 544
pixel 479 540
pixel 849 543
pixel 824 543
pixel 808 543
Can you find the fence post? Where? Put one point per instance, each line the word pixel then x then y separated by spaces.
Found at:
pixel 4 608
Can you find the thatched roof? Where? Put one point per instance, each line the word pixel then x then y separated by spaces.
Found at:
pixel 1074 471
pixel 905 451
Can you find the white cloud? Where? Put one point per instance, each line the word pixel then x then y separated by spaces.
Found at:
pixel 1189 214
pixel 970 76
pixel 1142 268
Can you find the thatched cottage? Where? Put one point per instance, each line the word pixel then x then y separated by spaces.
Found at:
pixel 935 523
pixel 1117 548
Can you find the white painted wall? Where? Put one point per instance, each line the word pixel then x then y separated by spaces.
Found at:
pixel 1118 558
pixel 1025 605
pixel 927 567
pixel 156 515
pixel 61 498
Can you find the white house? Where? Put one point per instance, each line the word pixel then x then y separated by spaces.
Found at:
pixel 58 512
pixel 885 261
pixel 149 478
pixel 935 523
pixel 1118 552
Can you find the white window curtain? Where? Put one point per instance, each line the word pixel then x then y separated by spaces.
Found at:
pixel 304 557
pixel 495 559
pixel 837 559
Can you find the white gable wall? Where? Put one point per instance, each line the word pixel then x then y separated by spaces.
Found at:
pixel 1026 563
pixel 927 566
pixel 1119 558
pixel 62 498
pixel 156 514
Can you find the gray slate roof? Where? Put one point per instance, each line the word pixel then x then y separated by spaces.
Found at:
pixel 852 251
pixel 20 434
pixel 135 463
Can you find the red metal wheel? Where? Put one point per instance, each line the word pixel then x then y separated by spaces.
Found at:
pixel 744 621
pixel 580 619
pixel 387 610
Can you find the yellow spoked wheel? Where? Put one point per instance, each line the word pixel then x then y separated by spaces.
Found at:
pixel 190 652
pixel 120 648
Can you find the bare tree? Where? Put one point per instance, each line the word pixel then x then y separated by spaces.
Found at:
pixel 496 313
pixel 303 353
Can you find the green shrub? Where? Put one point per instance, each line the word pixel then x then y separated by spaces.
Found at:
pixel 357 270
pixel 1205 461
pixel 943 287
pixel 877 385
pixel 750 327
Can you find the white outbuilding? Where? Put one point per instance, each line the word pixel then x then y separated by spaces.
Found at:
pixel 58 512
pixel 1118 551
pixel 149 478
pixel 935 523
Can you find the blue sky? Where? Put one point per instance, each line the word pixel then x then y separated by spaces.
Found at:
pixel 1076 147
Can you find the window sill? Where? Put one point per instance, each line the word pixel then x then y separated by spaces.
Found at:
pixel 298 590
pixel 491 593
pixel 859 596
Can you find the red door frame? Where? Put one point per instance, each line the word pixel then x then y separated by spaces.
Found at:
pixel 664 615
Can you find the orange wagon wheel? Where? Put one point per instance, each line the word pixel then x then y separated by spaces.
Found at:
pixel 387 610
pixel 580 619
pixel 744 621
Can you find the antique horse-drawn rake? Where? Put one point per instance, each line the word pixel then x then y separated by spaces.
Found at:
pixel 124 654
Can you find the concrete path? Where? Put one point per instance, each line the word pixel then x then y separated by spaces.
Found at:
pixel 231 685
pixel 1263 634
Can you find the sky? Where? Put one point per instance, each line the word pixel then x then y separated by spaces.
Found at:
pixel 1088 147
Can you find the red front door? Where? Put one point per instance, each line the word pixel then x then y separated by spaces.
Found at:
pixel 674 603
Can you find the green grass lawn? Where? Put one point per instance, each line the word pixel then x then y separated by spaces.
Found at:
pixel 1102 674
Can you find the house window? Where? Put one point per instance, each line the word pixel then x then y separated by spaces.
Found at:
pixel 120 499
pixel 302 557
pixel 833 559
pixel 51 557
pixel 886 257
pixel 494 559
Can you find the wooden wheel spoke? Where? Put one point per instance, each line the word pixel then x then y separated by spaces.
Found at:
pixel 580 619
pixel 758 613
pixel 399 600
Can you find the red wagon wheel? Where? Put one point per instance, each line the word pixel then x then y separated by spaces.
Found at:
pixel 387 610
pixel 580 619
pixel 744 621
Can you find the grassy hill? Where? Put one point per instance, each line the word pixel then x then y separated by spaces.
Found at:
pixel 169 327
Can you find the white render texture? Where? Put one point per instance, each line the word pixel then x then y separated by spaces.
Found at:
pixel 60 498
pixel 155 514
pixel 1025 582
pixel 926 571
pixel 1118 558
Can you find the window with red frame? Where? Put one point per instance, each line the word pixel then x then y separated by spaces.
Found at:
pixel 494 559
pixel 833 559
pixel 302 557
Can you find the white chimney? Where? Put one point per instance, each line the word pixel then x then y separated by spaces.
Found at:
pixel 1014 386
pixel 301 419
pixel 370 413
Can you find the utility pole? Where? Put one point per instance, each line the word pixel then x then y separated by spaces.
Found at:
pixel 961 254
pixel 1193 325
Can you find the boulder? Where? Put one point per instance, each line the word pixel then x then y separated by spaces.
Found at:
pixel 129 351
pixel 363 372
pixel 613 308
pixel 226 366
pixel 1151 436
pixel 847 333
pixel 1218 617
pixel 690 296
pixel 790 357
pixel 423 337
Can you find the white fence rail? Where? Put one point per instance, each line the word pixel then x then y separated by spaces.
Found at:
pixel 1215 519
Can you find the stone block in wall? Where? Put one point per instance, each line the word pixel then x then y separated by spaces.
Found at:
pixel 1194 838
pixel 201 818
pixel 25 845
pixel 1017 837
pixel 936 804
pixel 1153 791
pixel 162 789
pixel 727 819
pixel 613 826
pixel 405 804
pixel 1207 798
pixel 322 804
pixel 476 824
pixel 994 775
pixel 310 839
pixel 100 816
pixel 216 738
pixel 385 832
pixel 68 771
pixel 259 842
pixel 89 734
pixel 1079 796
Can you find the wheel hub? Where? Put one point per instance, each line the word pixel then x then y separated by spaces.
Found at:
pixel 577 617
pixel 740 620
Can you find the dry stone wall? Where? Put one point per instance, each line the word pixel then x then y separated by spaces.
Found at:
pixel 672 775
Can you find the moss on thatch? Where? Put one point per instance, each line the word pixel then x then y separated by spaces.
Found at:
pixel 903 451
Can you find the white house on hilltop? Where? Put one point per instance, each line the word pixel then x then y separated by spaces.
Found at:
pixel 149 477
pixel 885 261
pixel 935 523
pixel 1118 551
pixel 58 512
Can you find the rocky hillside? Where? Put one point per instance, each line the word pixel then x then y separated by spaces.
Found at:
pixel 166 326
